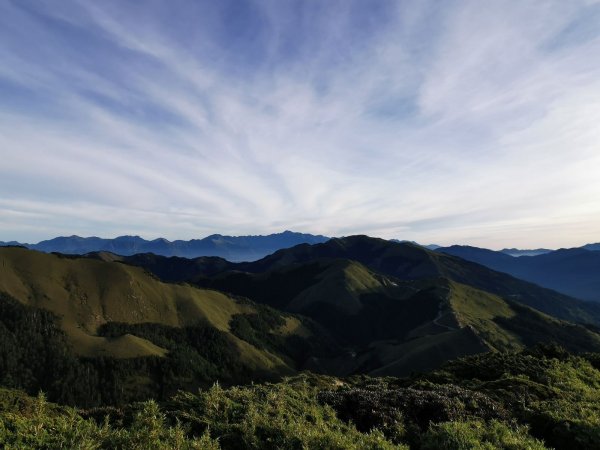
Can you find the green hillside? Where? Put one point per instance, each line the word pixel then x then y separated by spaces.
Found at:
pixel 87 294
pixel 394 327
pixel 407 261
pixel 472 321
pixel 154 335
pixel 399 260
pixel 345 297
pixel 507 325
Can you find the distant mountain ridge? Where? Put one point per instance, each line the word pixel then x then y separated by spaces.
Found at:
pixel 232 248
pixel 574 272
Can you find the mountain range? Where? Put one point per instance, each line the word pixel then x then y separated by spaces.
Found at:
pixel 131 326
pixel 233 248
pixel 574 272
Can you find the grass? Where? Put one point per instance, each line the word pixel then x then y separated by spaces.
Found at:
pixel 425 353
pixel 87 293
pixel 341 285
pixel 478 435
pixel 507 325
pixel 127 346
pixel 479 309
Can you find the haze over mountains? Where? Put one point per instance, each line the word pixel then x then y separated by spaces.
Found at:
pixel 520 252
pixel 574 272
pixel 233 248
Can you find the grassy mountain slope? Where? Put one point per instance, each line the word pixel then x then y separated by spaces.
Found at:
pixel 398 306
pixel 401 358
pixel 394 326
pixel 408 262
pixel 86 294
pixel 471 321
pixel 403 261
pixel 344 296
pixel 507 325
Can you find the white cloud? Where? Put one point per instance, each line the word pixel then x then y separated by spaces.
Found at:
pixel 455 124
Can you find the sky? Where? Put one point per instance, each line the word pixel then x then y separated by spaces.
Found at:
pixel 442 122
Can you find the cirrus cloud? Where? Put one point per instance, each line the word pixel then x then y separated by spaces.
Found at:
pixel 465 122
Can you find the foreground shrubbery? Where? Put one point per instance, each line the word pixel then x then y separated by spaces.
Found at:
pixel 533 400
pixel 286 415
pixel 283 416
pixel 478 435
pixel 42 425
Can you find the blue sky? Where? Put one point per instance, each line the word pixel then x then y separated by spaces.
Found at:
pixel 437 121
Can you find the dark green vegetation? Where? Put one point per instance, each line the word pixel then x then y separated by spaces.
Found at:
pixel 535 399
pixel 36 355
pixel 574 272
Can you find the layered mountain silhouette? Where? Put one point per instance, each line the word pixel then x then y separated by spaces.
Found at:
pixel 394 306
pixel 233 248
pixel 345 306
pixel 592 247
pixel 574 272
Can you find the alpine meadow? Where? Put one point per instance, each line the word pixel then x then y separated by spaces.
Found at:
pixel 300 225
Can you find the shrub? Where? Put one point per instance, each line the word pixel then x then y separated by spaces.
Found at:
pixel 272 416
pixel 478 435
pixel 47 427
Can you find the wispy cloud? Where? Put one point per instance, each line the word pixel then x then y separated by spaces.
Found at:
pixel 462 122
